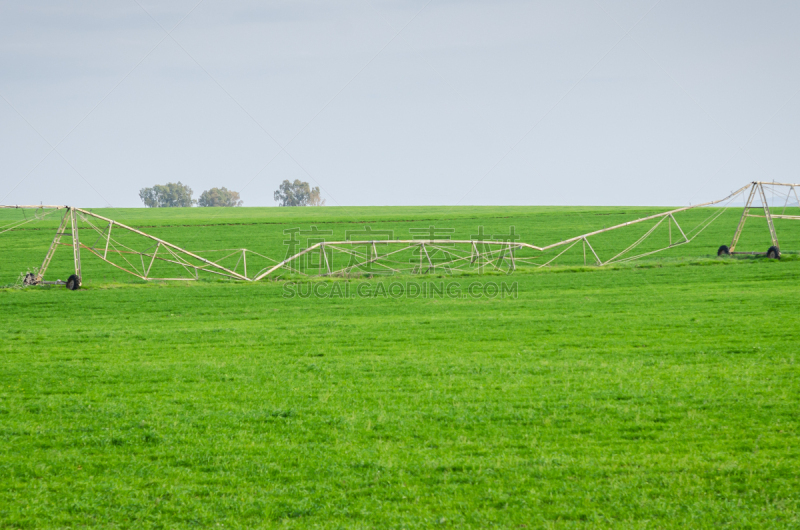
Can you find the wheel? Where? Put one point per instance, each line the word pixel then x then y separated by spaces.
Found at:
pixel 774 253
pixel 74 282
pixel 30 279
pixel 724 251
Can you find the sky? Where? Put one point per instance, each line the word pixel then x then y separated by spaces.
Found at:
pixel 398 102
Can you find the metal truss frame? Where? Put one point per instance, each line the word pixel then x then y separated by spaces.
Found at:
pixel 372 256
pixel 757 192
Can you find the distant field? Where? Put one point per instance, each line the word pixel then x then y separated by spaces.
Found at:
pixel 262 230
pixel 659 394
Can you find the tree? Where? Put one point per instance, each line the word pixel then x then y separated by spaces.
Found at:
pixel 298 193
pixel 169 195
pixel 219 197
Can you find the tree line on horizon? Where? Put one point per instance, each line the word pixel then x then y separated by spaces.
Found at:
pixel 179 195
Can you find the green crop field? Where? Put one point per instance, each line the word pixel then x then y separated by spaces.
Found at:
pixel 657 394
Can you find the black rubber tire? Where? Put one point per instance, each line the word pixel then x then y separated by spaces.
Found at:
pixel 74 282
pixel 724 251
pixel 774 253
pixel 30 279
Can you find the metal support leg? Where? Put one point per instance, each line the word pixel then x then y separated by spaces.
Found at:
pixel 108 239
pixel 152 260
pixel 325 256
pixel 53 246
pixel 584 252
pixel 76 244
pixel 596 257
pixel 430 263
pixel 739 228
pixel 679 228
pixel 768 215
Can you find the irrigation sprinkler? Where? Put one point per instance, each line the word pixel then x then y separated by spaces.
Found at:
pixel 114 244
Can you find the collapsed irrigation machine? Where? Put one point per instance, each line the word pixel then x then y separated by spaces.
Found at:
pixel 147 257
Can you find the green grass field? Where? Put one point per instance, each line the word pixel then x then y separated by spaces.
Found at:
pixel 262 230
pixel 660 394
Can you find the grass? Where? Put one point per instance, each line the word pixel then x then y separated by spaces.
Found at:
pixel 262 230
pixel 657 395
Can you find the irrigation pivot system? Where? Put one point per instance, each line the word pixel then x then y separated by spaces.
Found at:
pixel 758 196
pixel 151 258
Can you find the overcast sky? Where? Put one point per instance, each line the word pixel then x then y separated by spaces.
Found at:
pixel 395 102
